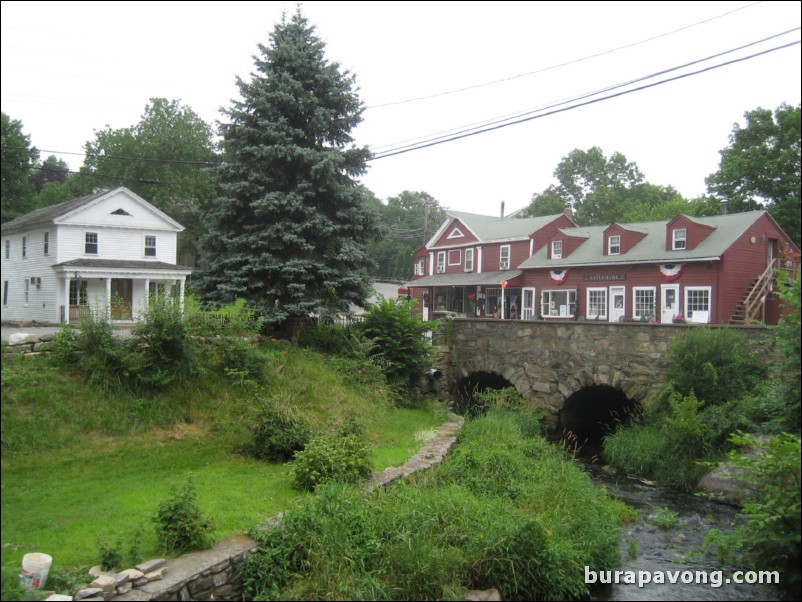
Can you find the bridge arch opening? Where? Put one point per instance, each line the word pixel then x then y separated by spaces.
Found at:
pixel 590 414
pixel 467 388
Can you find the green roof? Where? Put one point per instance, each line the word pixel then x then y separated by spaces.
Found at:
pixel 652 247
pixel 488 229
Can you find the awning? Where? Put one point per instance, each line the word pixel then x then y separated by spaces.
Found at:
pixel 465 279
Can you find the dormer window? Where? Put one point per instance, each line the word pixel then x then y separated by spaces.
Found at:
pixel 556 249
pixel 680 239
pixel 614 245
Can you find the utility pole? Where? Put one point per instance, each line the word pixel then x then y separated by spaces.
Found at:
pixel 426 208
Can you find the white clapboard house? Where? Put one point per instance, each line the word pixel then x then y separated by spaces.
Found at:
pixel 107 252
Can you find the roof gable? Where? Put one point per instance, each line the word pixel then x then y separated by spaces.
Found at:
pixel 487 229
pixel 113 208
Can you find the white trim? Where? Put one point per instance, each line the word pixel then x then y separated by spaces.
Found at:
pixel 691 314
pixel 469 262
pixel 504 265
pixel 459 257
pixel 456 233
pixel 636 315
pixel 675 239
pixel 556 309
pixel 610 244
pixel 602 312
pixel 555 254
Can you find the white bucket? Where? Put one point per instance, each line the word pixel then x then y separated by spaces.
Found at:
pixel 34 570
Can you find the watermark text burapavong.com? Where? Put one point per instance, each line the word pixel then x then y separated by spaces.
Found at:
pixel 711 578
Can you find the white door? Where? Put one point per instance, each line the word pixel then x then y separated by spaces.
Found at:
pixel 669 302
pixel 528 305
pixel 618 306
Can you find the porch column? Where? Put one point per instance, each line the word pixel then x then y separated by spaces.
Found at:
pixel 147 292
pixel 66 305
pixel 479 260
pixel 181 287
pixel 108 299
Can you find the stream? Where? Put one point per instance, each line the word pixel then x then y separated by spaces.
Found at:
pixel 673 552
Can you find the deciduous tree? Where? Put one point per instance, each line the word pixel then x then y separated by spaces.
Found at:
pixel 761 167
pixel 289 227
pixel 18 158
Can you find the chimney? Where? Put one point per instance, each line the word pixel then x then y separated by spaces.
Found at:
pixel 725 206
pixel 568 212
pixel 502 209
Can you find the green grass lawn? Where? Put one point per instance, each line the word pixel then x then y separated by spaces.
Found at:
pixel 101 485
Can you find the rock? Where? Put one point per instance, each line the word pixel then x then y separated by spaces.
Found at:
pixel 151 565
pixel 22 338
pixel 483 595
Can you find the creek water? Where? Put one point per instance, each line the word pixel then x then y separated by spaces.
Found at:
pixel 674 552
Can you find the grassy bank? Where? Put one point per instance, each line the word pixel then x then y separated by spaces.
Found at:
pixel 86 466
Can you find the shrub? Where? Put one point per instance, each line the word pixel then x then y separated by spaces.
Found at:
pixel 326 458
pixel 715 364
pixel 275 436
pixel 399 338
pixel 769 535
pixel 180 526
pixel 159 344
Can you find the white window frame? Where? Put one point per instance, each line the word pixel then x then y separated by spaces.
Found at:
pixel 46 244
pixel 87 243
pixel 614 244
pixel 679 239
pixel 441 262
pixel 153 246
pixel 556 249
pixel 455 253
pixel 504 257
pixel 456 233
pixel 420 267
pixel 691 306
pixel 637 303
pixel 27 290
pixel 469 260
pixel 599 304
pixel 551 306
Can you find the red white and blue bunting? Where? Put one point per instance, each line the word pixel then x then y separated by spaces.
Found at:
pixel 558 275
pixel 671 271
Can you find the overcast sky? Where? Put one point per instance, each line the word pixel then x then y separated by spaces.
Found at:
pixel 70 68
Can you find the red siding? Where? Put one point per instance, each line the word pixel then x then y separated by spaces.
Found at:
pixel 445 241
pixel 695 233
pixel 629 238
pixel 545 234
pixel 491 254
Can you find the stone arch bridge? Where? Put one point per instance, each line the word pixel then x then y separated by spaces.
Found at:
pixel 555 364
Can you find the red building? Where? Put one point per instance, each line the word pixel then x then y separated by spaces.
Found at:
pixel 713 270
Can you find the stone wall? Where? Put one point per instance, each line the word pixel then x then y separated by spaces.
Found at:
pixel 547 362
pixel 29 345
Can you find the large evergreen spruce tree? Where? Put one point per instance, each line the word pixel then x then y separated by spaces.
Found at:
pixel 288 228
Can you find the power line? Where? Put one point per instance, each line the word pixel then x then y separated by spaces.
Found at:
pixel 506 123
pixel 560 65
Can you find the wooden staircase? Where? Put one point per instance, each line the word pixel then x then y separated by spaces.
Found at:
pixel 750 308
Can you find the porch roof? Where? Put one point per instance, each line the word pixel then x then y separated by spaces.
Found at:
pixel 121 266
pixel 465 279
